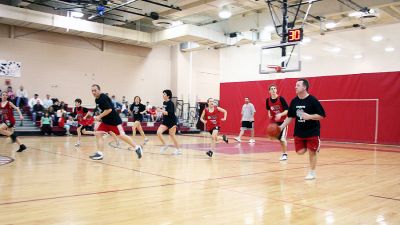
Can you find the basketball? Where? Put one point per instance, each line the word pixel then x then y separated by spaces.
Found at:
pixel 273 130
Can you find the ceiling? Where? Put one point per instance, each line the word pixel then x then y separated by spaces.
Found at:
pixel 247 15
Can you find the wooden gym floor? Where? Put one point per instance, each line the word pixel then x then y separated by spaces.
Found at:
pixel 54 183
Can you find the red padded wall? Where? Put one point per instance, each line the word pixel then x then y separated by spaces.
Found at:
pixel 346 120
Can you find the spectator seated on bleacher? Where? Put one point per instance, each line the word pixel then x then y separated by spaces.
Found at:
pixel 22 97
pixel 125 109
pixel 37 112
pixel 46 124
pixel 10 94
pixel 53 110
pixel 34 100
pixel 117 105
pixel 152 112
pixel 70 123
pixel 47 103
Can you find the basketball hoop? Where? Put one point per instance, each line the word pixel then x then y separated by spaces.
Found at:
pixel 277 68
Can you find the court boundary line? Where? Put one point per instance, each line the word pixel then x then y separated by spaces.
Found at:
pixel 108 164
pixel 88 194
pixel 377 196
pixel 8 162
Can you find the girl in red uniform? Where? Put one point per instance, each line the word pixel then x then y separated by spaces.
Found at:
pixel 85 125
pixel 211 117
pixel 7 121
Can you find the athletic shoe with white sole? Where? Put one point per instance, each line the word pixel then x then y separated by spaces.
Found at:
pixel 163 149
pixel 177 152
pixel 310 176
pixel 237 139
pixel 283 157
pixel 252 141
pixel 97 156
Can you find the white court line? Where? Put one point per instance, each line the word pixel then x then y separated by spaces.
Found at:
pixel 376 100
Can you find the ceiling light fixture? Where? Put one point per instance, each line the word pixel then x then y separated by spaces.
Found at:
pixel 76 14
pixel 330 25
pixel 225 12
pixel 306 40
pixel 377 38
pixel 389 49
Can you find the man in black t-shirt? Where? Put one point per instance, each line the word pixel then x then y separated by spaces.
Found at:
pixel 110 122
pixel 308 111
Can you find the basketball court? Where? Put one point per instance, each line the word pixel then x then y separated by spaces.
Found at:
pixel 226 50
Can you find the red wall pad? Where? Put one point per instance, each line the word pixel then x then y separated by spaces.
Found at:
pixel 359 107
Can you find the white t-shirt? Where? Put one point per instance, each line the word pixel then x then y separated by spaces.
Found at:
pixel 248 111
pixel 33 101
pixel 47 103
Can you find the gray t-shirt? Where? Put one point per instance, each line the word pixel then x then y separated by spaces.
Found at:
pixel 248 111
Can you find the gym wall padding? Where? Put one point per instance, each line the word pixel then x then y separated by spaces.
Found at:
pixel 352 120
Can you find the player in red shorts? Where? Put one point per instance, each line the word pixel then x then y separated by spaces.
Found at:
pixel 211 117
pixel 85 122
pixel 7 121
pixel 109 122
pixel 308 111
pixel 277 111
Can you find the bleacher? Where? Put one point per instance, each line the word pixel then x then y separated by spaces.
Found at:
pixel 29 128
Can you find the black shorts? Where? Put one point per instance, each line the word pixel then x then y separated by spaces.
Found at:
pixel 169 124
pixel 87 128
pixel 247 125
pixel 140 119
pixel 214 128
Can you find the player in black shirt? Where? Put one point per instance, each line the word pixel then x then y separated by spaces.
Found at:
pixel 110 122
pixel 137 109
pixel 169 122
pixel 308 111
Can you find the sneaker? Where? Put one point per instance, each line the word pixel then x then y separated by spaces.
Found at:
pixel 145 141
pixel 21 148
pixel 177 152
pixel 310 175
pixel 252 141
pixel 139 151
pixel 163 149
pixel 283 157
pixel 77 144
pixel 97 156
pixel 237 139
pixel 225 138
pixel 210 153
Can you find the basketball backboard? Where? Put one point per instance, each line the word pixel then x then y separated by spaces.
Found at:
pixel 280 58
